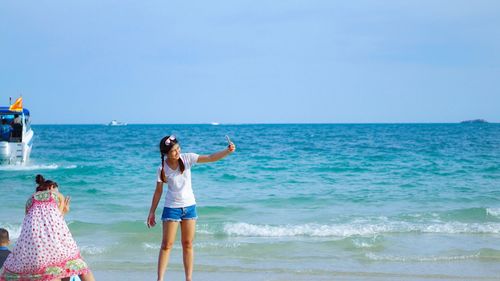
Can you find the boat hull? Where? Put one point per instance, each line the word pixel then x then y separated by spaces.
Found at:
pixel 17 152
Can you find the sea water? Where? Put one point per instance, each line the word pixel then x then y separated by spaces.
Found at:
pixel 315 200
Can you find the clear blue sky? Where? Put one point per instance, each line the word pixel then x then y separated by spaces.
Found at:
pixel 282 61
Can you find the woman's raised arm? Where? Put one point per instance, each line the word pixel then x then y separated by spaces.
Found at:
pixel 217 155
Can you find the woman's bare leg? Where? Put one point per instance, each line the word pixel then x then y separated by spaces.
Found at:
pixel 188 228
pixel 168 239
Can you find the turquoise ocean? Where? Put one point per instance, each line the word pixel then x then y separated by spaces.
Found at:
pixel 294 202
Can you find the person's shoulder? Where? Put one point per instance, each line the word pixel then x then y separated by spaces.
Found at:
pixel 189 157
pixel 158 170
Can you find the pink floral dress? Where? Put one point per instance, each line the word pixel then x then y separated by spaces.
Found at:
pixel 45 249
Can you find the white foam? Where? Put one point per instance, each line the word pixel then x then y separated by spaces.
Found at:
pixel 227 245
pixel 245 229
pixel 154 246
pixel 363 243
pixel 493 212
pixel 31 167
pixel 92 250
pixel 28 167
pixel 376 257
pixel 457 227
pixel 357 229
pixel 204 231
pixel 199 245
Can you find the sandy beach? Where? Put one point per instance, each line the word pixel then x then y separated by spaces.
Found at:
pixel 350 276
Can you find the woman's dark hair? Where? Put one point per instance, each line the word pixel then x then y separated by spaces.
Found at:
pixel 44 184
pixel 39 179
pixel 166 145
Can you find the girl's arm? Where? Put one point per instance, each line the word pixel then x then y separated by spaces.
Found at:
pixel 63 203
pixel 154 203
pixel 217 155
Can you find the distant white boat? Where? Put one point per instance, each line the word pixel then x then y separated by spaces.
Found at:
pixel 117 123
pixel 215 123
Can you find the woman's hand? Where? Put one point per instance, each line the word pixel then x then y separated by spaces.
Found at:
pixel 65 209
pixel 151 220
pixel 231 147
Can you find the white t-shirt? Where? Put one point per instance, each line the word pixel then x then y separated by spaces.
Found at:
pixel 180 192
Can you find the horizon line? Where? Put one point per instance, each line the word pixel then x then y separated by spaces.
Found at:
pixel 257 123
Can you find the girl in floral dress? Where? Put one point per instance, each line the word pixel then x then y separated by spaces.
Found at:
pixel 45 249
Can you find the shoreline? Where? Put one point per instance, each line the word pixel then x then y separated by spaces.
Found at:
pixel 274 276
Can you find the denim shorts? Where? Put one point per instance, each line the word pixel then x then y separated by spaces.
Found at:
pixel 179 214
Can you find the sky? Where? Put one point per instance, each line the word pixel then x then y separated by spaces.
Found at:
pixel 280 61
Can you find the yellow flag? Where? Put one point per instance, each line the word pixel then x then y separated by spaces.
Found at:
pixel 18 105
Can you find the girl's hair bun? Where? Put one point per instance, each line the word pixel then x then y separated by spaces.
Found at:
pixel 39 179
